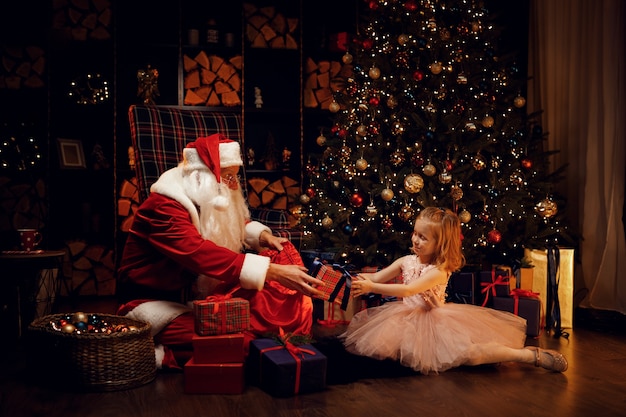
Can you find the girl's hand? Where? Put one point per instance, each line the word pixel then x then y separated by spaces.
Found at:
pixel 361 285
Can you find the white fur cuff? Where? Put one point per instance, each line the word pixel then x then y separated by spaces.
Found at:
pixel 253 232
pixel 254 271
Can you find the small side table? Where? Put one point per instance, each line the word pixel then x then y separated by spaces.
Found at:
pixel 22 271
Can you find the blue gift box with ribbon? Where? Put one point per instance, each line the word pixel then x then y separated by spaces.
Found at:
pixel 461 288
pixel 494 283
pixel 284 369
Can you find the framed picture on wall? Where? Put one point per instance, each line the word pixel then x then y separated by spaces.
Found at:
pixel 71 154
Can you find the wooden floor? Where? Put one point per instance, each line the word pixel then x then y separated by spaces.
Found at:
pixel 594 385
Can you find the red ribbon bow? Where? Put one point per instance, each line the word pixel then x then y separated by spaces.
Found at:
pixel 518 293
pixel 495 280
pixel 217 299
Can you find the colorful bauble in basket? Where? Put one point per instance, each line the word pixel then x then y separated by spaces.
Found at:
pixel 118 355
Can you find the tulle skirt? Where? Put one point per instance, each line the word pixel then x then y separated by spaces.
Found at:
pixel 430 340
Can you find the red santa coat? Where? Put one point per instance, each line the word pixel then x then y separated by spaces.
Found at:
pixel 164 254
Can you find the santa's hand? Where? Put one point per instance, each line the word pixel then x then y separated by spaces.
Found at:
pixel 294 277
pixel 268 240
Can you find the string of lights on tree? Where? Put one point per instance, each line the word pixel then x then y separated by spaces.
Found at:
pixel 434 115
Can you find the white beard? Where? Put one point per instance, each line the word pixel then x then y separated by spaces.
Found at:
pixel 223 227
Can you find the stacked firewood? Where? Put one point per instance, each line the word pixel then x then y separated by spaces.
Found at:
pixel 267 28
pixel 89 269
pixel 278 194
pixel 211 80
pixel 322 79
pixel 127 203
pixel 82 19
pixel 22 67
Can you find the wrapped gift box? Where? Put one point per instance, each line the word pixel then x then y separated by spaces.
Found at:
pixel 526 307
pixel 221 315
pixel 494 283
pixel 565 279
pixel 333 314
pixel 283 372
pixel 519 278
pixel 461 288
pixel 337 280
pixel 522 279
pixel 223 348
pixel 213 378
pixel 309 256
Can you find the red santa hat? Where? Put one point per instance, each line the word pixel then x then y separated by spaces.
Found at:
pixel 211 153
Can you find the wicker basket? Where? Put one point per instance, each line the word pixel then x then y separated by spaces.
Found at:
pixel 93 361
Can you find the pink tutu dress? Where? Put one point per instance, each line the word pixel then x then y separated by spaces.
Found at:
pixel 424 332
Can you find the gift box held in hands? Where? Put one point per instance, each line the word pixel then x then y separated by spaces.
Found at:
pixel 337 282
pixel 283 369
pixel 221 314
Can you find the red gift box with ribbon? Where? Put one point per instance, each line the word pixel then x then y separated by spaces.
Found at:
pixel 494 283
pixel 221 314
pixel 284 369
pixel 220 348
pixel 213 378
pixel 525 304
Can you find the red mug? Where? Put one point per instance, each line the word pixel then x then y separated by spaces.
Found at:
pixel 29 239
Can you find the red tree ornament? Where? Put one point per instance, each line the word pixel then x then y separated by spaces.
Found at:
pixel 356 200
pixel 494 236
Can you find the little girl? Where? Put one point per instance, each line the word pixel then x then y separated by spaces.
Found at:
pixel 422 331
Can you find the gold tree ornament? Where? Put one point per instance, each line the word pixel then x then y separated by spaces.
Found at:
pixel 478 162
pixel 546 208
pixel 429 170
pixel 327 222
pixel 148 84
pixel 406 213
pixel 387 194
pixel 465 216
pixel 456 193
pixel 413 183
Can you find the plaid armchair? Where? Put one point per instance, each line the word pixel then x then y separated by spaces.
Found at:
pixel 159 135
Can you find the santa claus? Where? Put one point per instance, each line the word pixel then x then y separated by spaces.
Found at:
pixel 195 224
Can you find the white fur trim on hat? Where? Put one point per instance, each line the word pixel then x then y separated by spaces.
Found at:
pixel 192 161
pixel 230 154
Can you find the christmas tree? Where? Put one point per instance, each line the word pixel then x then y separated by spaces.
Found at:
pixel 434 114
